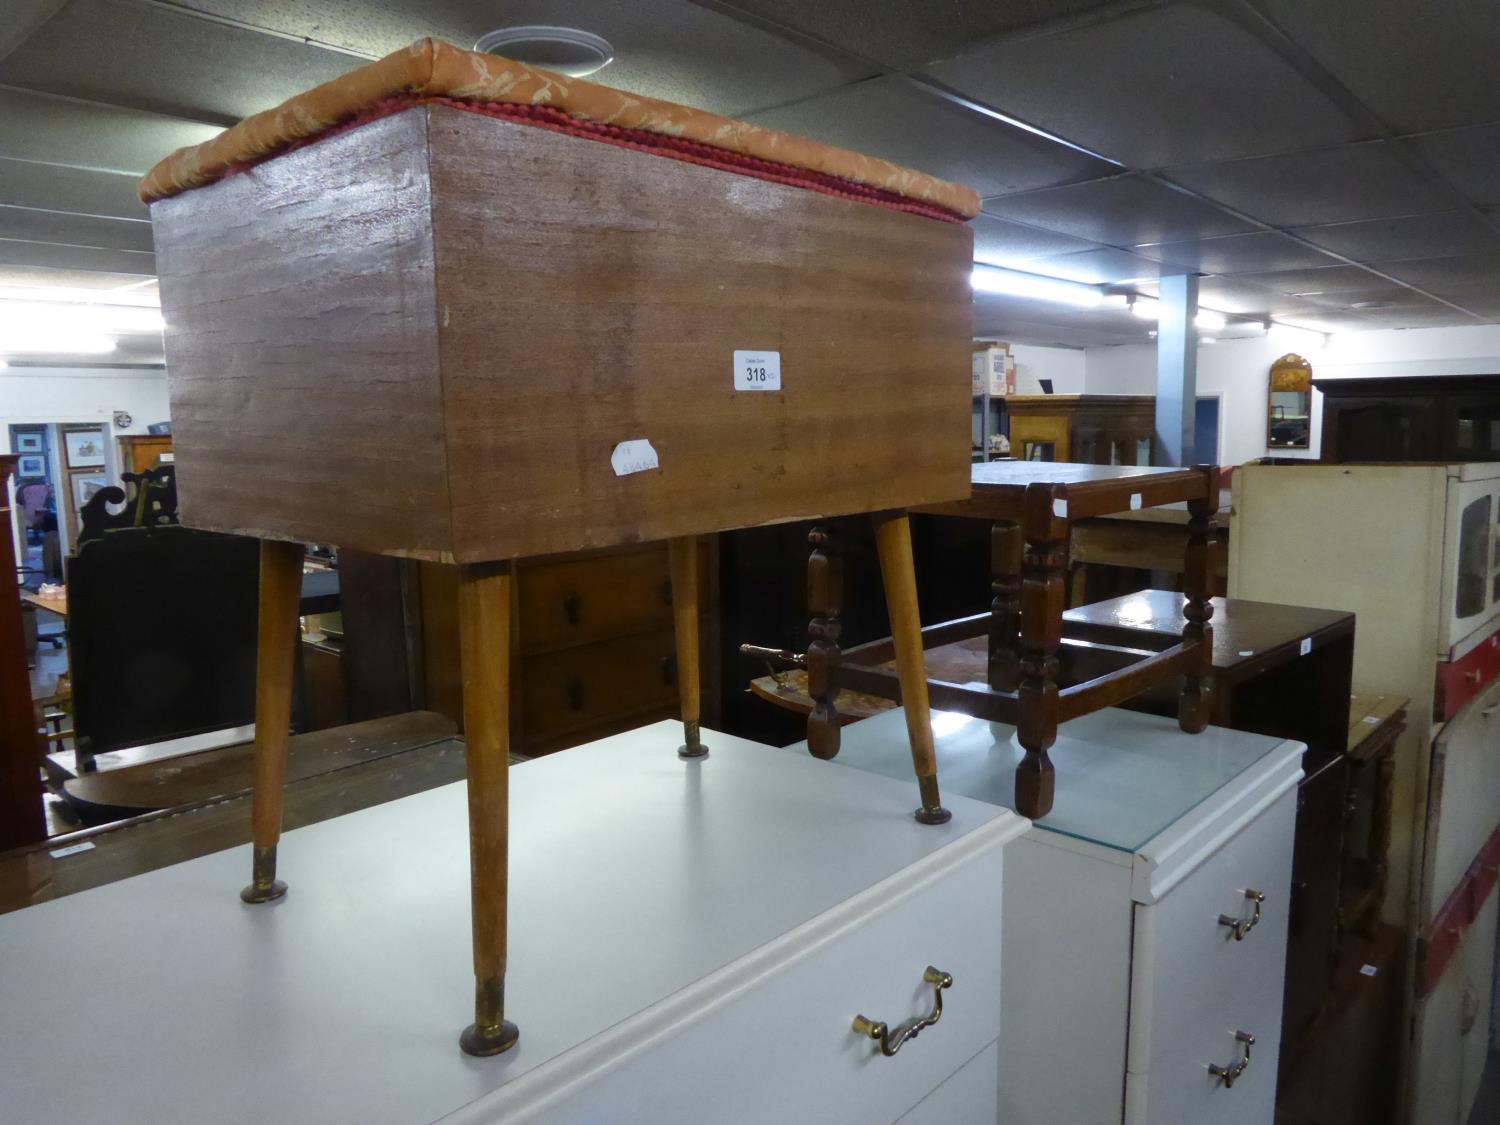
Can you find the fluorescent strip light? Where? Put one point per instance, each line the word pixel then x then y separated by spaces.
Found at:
pixel 1013 283
pixel 1147 308
pixel 1210 320
pixel 72 343
pixel 40 316
pixel 1295 335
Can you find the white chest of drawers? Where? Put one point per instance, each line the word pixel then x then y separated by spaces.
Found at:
pixel 1122 986
pixel 690 942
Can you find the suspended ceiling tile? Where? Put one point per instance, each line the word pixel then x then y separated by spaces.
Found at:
pixel 1447 275
pixel 1469 158
pixel 52 130
pixel 1417 65
pixel 1238 253
pixel 1239 297
pixel 1004 243
pixel 1417 236
pixel 53 256
pixel 75 230
pixel 1102 266
pixel 901 34
pixel 671 49
pixel 1164 86
pixel 1317 282
pixel 1364 181
pixel 1122 211
pixel 167 62
pixel 77 190
pixel 900 121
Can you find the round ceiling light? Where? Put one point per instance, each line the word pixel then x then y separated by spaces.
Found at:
pixel 566 50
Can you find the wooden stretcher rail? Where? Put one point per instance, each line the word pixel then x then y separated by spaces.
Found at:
pixel 1126 683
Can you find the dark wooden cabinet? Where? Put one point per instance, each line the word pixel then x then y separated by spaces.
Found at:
pixel 1411 418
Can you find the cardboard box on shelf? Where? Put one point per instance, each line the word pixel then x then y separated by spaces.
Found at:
pixel 994 370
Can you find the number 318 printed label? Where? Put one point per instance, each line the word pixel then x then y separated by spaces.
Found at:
pixel 757 371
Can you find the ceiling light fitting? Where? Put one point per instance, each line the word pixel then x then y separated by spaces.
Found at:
pixel 567 50
pixel 1014 283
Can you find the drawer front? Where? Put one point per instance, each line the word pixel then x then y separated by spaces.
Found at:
pixel 1459 681
pixel 1464 796
pixel 778 1046
pixel 970 1097
pixel 583 600
pixel 577 688
pixel 1193 986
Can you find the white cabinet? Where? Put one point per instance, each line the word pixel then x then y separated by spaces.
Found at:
pixel 1424 582
pixel 689 941
pixel 1121 985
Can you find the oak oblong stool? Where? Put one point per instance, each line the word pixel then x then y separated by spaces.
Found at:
pixel 454 308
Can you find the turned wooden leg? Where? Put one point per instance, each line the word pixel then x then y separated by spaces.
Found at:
pixel 1194 706
pixel 898 571
pixel 484 653
pixel 1043 593
pixel 1007 547
pixel 275 661
pixel 825 595
pixel 682 559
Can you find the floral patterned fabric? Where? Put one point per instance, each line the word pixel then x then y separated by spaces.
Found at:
pixel 433 69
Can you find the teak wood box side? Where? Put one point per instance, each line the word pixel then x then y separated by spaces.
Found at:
pixel 426 336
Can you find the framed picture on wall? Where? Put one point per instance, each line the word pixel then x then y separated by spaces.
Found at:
pixel 85 448
pixel 29 443
pixel 84 487
pixel 31 466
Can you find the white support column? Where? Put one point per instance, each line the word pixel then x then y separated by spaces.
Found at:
pixel 1176 371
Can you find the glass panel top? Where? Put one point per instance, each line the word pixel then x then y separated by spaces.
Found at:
pixel 1122 777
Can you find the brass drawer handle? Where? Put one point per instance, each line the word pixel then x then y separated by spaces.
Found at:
pixel 572 607
pixel 1238 926
pixel 1229 1075
pixel 890 1042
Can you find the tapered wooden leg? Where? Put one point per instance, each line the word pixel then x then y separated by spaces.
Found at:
pixel 275 663
pixel 484 653
pixel 1007 548
pixel 1195 704
pixel 682 560
pixel 825 596
pixel 898 571
pixel 1043 593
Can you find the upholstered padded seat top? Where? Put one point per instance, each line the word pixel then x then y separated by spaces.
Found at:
pixel 431 70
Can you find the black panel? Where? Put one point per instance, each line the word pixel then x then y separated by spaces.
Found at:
pixel 1127 210
pixel 900 121
pixel 1165 86
pixel 162 635
pixel 1467 273
pixel 1364 181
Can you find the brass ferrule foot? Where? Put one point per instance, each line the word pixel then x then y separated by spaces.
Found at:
pixel 692 747
pixel 490 1033
pixel 932 811
pixel 264 886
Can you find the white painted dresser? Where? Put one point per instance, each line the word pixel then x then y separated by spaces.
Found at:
pixel 690 942
pixel 1123 980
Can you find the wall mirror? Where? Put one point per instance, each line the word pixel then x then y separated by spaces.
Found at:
pixel 1289 416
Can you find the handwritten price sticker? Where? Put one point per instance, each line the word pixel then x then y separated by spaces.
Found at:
pixel 635 456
